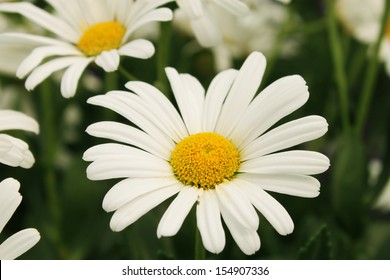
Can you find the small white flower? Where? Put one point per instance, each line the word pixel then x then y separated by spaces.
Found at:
pixel 13 151
pixel 23 240
pixel 258 30
pixel 218 153
pixel 202 20
pixel 363 21
pixel 89 31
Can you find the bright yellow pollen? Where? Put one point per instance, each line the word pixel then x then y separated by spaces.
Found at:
pixel 204 160
pixel 103 36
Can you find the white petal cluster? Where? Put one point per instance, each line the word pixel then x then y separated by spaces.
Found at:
pixel 22 241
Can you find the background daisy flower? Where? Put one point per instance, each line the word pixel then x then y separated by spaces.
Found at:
pixel 88 31
pixel 13 151
pixel 363 22
pixel 202 20
pixel 23 240
pixel 218 153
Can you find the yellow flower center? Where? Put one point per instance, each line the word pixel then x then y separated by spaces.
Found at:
pixel 204 160
pixel 103 36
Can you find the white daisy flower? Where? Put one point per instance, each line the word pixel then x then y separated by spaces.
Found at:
pixel 258 30
pixel 22 241
pixel 363 21
pixel 217 153
pixel 202 20
pixel 13 151
pixel 89 31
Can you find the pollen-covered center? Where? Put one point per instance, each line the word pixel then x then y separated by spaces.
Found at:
pixel 204 160
pixel 103 36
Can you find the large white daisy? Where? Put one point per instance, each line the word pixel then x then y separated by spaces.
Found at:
pixel 363 21
pixel 88 31
pixel 218 153
pixel 13 151
pixel 23 240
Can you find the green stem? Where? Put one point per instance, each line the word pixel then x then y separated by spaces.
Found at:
pixel 338 61
pixel 200 252
pixel 127 74
pixel 372 71
pixel 164 44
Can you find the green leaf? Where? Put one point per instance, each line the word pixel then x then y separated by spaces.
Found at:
pixel 318 246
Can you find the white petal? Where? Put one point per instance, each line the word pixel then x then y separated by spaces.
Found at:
pixel 41 53
pixel 18 154
pixel 235 7
pixel 108 60
pixel 278 100
pixel 193 9
pixel 31 40
pixel 271 209
pixel 71 77
pixel 10 199
pixel 129 135
pixel 206 30
pixel 164 108
pixel 70 11
pixel 243 90
pixel 136 115
pixel 16 120
pixel 177 211
pixel 216 94
pixel 291 162
pixel 208 218
pixel 138 48
pixel 247 239
pixel 42 18
pixel 189 95
pixel 19 243
pixel 133 210
pixel 131 188
pixel 237 205
pixel 286 136
pixel 162 14
pixel 297 185
pixel 45 70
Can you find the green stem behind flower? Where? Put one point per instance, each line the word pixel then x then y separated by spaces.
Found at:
pixel 338 61
pixel 200 252
pixel 163 43
pixel 372 71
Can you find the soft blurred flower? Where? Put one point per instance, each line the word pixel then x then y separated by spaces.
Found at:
pixel 13 151
pixel 89 31
pixel 23 240
pixel 258 30
pixel 363 21
pixel 217 153
pixel 201 19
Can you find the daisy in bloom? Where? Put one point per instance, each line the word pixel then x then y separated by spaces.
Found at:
pixel 201 19
pixel 363 21
pixel 258 30
pixel 217 153
pixel 13 151
pixel 23 240
pixel 88 31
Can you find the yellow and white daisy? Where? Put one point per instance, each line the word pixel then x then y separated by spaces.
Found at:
pixel 201 19
pixel 218 153
pixel 13 151
pixel 88 31
pixel 363 21
pixel 22 241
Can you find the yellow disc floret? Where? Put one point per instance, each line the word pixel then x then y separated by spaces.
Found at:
pixel 103 36
pixel 204 160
